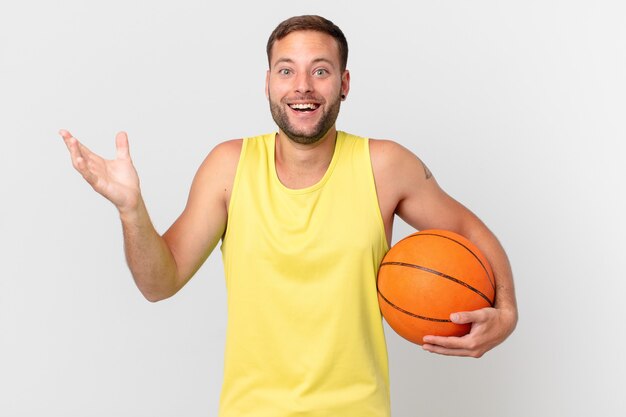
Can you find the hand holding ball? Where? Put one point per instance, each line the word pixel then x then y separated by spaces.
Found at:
pixel 429 275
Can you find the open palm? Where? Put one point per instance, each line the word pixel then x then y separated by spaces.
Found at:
pixel 115 179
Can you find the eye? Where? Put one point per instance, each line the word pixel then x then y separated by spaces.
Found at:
pixel 320 72
pixel 284 71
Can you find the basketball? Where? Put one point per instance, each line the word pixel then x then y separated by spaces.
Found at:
pixel 429 275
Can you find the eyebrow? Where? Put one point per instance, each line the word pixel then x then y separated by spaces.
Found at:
pixel 315 61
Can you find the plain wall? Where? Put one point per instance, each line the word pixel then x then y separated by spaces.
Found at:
pixel 518 108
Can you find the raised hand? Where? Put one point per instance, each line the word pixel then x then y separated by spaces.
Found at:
pixel 116 179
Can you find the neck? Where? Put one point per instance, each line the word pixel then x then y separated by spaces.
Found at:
pixel 306 156
pixel 299 165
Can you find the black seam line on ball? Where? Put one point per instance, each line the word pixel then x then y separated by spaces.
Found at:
pixel 493 284
pixel 441 274
pixel 412 314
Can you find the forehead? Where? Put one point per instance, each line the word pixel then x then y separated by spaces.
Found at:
pixel 306 45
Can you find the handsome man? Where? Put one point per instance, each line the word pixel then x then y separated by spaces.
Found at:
pixel 305 216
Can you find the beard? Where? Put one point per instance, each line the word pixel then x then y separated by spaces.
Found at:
pixel 300 135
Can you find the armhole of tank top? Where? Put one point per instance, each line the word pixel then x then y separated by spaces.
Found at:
pixel 235 190
pixel 374 194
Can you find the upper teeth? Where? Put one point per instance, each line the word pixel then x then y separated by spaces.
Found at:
pixel 304 106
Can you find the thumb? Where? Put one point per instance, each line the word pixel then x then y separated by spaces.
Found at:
pixel 121 145
pixel 463 317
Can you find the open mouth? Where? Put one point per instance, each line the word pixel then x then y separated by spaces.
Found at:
pixel 304 107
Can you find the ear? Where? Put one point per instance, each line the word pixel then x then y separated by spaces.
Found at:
pixel 267 84
pixel 345 83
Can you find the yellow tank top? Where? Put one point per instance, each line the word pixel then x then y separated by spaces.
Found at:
pixel 304 334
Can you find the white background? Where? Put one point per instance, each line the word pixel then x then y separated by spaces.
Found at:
pixel 518 108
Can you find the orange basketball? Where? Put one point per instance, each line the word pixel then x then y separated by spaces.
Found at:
pixel 429 275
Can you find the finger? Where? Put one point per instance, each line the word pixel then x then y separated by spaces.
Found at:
pixel 446 351
pixel 77 158
pixel 121 146
pixel 464 317
pixel 79 155
pixel 75 147
pixel 448 342
pixel 65 134
pixel 84 151
pixel 67 138
pixel 80 162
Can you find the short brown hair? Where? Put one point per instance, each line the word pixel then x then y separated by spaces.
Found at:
pixel 310 22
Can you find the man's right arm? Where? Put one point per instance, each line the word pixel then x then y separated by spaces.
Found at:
pixel 162 265
pixel 179 253
pixel 202 224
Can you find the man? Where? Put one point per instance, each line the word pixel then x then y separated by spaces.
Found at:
pixel 305 216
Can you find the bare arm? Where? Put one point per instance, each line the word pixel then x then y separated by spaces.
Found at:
pixel 408 189
pixel 149 258
pixel 161 265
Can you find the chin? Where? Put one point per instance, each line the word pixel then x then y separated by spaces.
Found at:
pixel 303 139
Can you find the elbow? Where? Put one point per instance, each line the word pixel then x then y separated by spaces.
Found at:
pixel 157 287
pixel 154 296
pixel 510 317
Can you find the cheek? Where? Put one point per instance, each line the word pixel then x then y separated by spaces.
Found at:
pixel 332 88
pixel 276 89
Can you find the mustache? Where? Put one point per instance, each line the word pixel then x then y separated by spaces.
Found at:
pixel 304 97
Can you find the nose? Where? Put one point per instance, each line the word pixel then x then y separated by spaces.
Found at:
pixel 303 83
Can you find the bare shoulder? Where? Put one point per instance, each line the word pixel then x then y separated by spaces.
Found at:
pixel 221 162
pixel 390 159
pixel 225 154
pixel 398 174
pixel 216 174
pixel 383 149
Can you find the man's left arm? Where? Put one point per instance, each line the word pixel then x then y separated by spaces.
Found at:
pixel 424 205
pixel 490 326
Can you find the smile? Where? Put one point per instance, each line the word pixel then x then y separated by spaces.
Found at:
pixel 304 106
